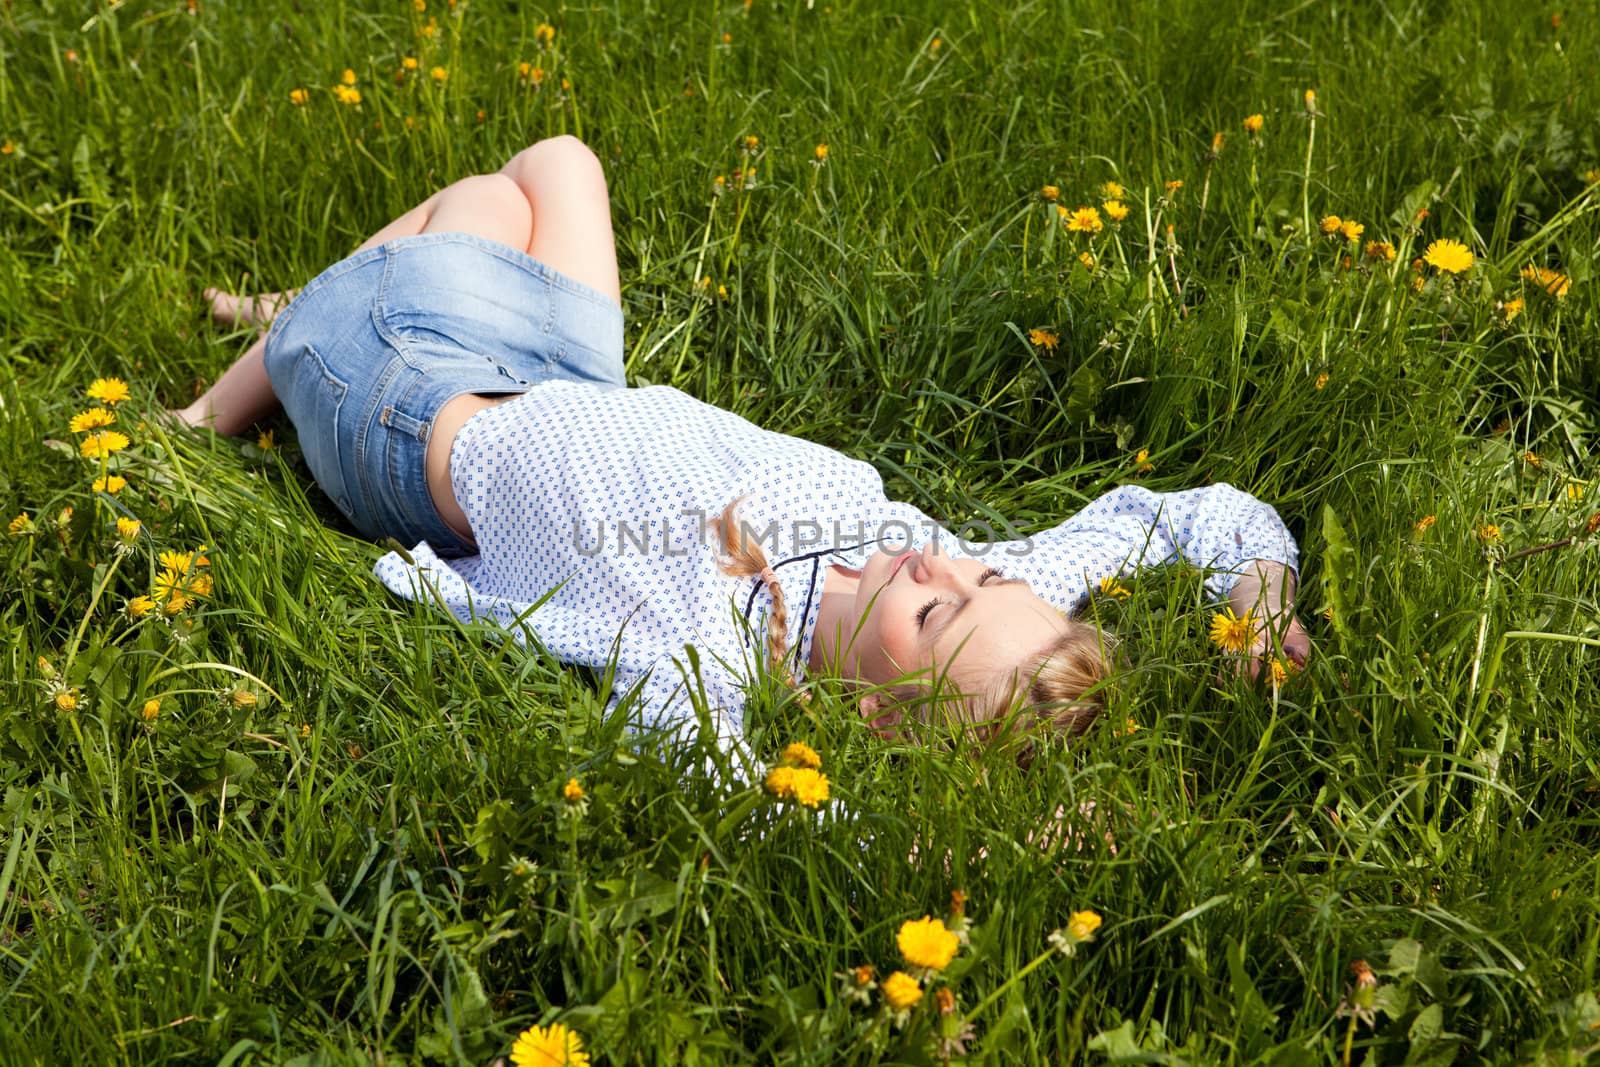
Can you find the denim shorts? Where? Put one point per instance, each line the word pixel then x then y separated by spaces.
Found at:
pixel 374 346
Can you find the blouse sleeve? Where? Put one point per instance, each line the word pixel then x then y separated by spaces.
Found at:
pixel 1216 527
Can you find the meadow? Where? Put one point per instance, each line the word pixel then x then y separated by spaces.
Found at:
pixel 255 810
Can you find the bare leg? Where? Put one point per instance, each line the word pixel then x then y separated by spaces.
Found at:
pixel 550 200
pixel 232 310
pixel 565 186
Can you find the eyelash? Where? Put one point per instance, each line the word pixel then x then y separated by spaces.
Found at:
pixel 922 613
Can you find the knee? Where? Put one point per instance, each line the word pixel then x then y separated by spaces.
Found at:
pixel 563 158
pixel 492 194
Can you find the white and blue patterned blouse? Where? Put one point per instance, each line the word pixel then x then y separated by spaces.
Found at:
pixel 594 504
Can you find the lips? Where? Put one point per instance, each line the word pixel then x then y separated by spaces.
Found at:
pixel 894 568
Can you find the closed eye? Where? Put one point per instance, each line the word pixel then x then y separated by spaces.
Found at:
pixel 922 612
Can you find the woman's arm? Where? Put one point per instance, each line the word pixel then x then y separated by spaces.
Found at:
pixel 1249 553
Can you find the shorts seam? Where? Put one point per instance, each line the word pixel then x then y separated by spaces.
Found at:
pixel 337 270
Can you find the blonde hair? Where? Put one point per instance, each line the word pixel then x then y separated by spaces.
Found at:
pixel 745 559
pixel 1067 687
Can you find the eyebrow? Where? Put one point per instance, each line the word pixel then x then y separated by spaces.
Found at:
pixel 951 618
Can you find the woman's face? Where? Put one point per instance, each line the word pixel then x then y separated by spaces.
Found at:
pixel 915 611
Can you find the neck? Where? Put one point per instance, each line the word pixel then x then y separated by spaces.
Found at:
pixel 835 616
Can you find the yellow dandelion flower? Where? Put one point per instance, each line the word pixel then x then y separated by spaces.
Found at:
pixel 102 444
pixel 267 440
pixel 1112 190
pixel 347 95
pixel 780 782
pixel 1311 99
pixel 1115 210
pixel 1080 928
pixel 127 529
pixel 1082 925
pixel 1532 459
pixel 1173 186
pixel 111 483
pixel 1043 339
pixel 901 991
pixel 1489 534
pixel 438 74
pixel 1231 633
pixel 800 754
pixel 1051 193
pixel 419 5
pixel 1141 462
pixel 22 524
pixel 545 34
pixel 67 700
pixel 1592 176
pixel 1253 123
pixel 1376 250
pixel 409 63
pixel 1321 383
pixel 1110 586
pixel 1330 224
pixel 1449 255
pixel 168 584
pixel 1512 308
pixel 139 607
pixel 1216 143
pixel 93 419
pixel 8 148
pixel 1128 728
pixel 242 698
pixel 430 29
pixel 821 152
pixel 108 390
pixel 810 787
pixel 1280 669
pixel 151 709
pixel 177 562
pixel 348 77
pixel 549 1046
pixel 936 44
pixel 1087 260
pixel 1352 230
pixel 1551 281
pixel 572 792
pixel 727 38
pixel 200 584
pixel 298 97
pixel 751 143
pixel 927 944
pixel 1084 220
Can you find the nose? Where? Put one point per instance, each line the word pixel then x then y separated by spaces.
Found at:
pixel 933 565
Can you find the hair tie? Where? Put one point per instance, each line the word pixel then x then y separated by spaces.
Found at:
pixel 768 575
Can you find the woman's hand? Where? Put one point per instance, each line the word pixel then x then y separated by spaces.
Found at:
pixel 1268 593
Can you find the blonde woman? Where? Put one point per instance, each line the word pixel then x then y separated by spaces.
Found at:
pixel 457 384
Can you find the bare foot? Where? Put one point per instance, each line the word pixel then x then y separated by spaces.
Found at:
pixel 230 309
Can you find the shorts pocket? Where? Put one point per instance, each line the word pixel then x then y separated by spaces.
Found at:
pixel 314 398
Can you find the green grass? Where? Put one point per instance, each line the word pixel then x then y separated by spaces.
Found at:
pixel 372 863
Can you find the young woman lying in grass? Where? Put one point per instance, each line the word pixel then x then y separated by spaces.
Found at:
pixel 457 384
